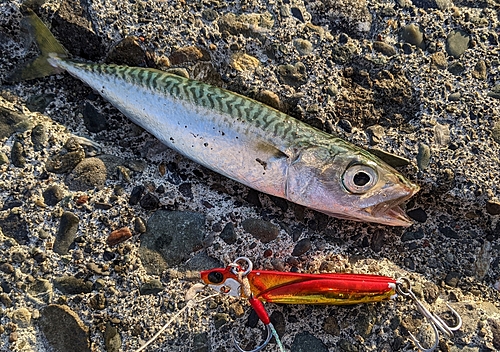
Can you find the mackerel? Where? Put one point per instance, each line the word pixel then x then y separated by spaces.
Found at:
pixel 243 139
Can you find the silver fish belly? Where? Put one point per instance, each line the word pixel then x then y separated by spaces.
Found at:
pixel 252 143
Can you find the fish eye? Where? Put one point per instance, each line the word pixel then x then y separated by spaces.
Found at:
pixel 358 179
pixel 215 277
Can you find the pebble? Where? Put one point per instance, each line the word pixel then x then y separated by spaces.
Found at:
pixel 293 75
pixel 417 214
pixel 243 62
pixel 151 287
pixel 128 52
pixel 438 60
pixel 149 202
pixel 433 4
pixel 170 237
pixel 66 159
pixel 17 155
pixel 303 46
pixel 136 195
pixel 493 207
pixel 262 230
pixel 456 68
pixel 375 134
pixel 118 236
pixel 454 96
pixel 66 234
pixel 228 234
pixel 349 16
pixel 495 92
pixel 301 247
pixel 15 226
pixel 188 54
pixel 480 70
pixel 97 301
pixel 93 119
pixel 71 285
pixel 39 137
pixel 452 278
pixel 112 339
pixel 483 260
pixel 41 289
pixel 457 42
pixel 21 317
pixel 423 156
pixel 53 195
pixel 10 122
pixel 4 159
pixel 90 173
pixel 139 225
pixel 384 48
pixel 305 342
pixel 412 34
pixel 63 329
pixel 331 326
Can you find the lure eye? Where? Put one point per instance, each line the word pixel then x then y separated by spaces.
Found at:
pixel 215 277
pixel 359 179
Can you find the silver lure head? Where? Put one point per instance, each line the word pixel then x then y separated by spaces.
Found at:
pixel 347 182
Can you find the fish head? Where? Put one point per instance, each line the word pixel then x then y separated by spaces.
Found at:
pixel 347 182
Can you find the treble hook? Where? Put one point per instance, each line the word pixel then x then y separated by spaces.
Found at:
pixel 403 287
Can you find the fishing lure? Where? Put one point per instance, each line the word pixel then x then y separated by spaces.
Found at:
pixel 328 289
pixel 240 138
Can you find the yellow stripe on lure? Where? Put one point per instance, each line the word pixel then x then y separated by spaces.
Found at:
pixel 241 138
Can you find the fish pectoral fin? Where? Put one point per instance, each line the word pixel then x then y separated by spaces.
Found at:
pixel 269 151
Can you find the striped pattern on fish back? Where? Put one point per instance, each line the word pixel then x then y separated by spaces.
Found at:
pixel 244 114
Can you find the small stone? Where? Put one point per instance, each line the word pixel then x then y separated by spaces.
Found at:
pixel 452 278
pixel 480 70
pixel 495 92
pixel 71 285
pixel 418 214
pixel 112 339
pixel 304 341
pixel 7 268
pixel 301 247
pixel 186 190
pixel 303 46
pixel 423 156
pixel 412 34
pixel 483 260
pixel 438 60
pixel 21 317
pixel 243 62
pixel 17 155
pixel 454 96
pixel 97 301
pixel 149 202
pixel 136 194
pixel 13 336
pixel 221 319
pixel 456 43
pixel 10 122
pixel 127 52
pixel 94 120
pixel 442 134
pixel 269 98
pixel 188 54
pixel 448 232
pixel 4 159
pixel 228 234
pixel 293 75
pixel 119 236
pixel 66 234
pixel 261 229
pixel 375 134
pixel 63 329
pixel 90 173
pixel 53 195
pixel 41 288
pixel 384 48
pixel 331 326
pixel 139 225
pixel 493 207
pixel 456 68
pixel 66 160
pixel 39 137
pixel 15 226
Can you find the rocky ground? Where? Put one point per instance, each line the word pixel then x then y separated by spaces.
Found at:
pixel 103 229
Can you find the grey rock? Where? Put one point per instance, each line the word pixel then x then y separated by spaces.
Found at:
pixel 90 173
pixel 17 155
pixel 66 233
pixel 112 339
pixel 149 202
pixel 331 325
pixel 413 34
pixel 423 156
pixel 170 237
pixel 151 287
pixel 15 226
pixel 495 92
pixel 456 43
pixel 41 289
pixel 384 48
pixel 342 54
pixel 302 247
pixel 452 278
pixel 128 52
pixel 418 214
pixel 139 225
pixel 493 207
pixel 303 46
pixel 293 75
pixel 305 342
pixel 261 229
pixel 93 119
pixel 65 160
pixel 53 195
pixel 202 261
pixel 201 342
pixel 136 194
pixel 10 122
pixel 63 329
pixel 454 96
pixel 71 285
pixel 483 260
pixel 39 137
pixel 39 102
pixel 228 234
pixel 456 68
pixel 480 70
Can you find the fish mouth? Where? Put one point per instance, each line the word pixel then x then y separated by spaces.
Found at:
pixel 390 212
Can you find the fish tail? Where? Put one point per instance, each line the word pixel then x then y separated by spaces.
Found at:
pixel 50 49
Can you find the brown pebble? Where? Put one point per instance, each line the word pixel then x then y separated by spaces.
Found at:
pixel 268 253
pixel 13 337
pixel 119 236
pixel 82 199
